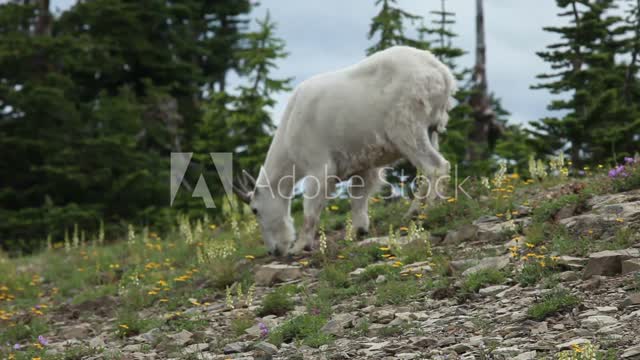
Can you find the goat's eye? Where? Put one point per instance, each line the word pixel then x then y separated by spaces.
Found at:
pixel 255 211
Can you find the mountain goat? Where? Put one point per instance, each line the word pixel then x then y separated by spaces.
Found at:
pixel 348 124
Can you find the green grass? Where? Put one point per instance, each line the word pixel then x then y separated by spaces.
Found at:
pixel 277 302
pixel 548 209
pixel 372 272
pixel 554 302
pixel 532 272
pixel 24 331
pixel 396 292
pixel 130 324
pixel 564 243
pixel 450 215
pixel 336 275
pixel 304 328
pixel 482 278
pixel 242 323
pixel 624 238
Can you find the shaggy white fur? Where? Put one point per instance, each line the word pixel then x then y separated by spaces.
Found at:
pixel 347 123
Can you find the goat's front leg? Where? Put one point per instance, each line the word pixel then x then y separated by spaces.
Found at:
pixel 423 154
pixel 362 186
pixel 316 191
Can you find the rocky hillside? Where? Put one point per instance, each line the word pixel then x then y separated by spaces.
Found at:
pixel 547 270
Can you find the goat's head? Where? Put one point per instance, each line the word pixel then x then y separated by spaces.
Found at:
pixel 272 212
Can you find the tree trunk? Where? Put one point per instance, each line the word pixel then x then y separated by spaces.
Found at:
pixel 631 69
pixel 484 117
pixel 43 25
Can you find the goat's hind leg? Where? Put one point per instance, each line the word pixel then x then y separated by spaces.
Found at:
pixel 362 186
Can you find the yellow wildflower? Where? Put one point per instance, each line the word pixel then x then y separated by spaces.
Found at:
pixel 249 257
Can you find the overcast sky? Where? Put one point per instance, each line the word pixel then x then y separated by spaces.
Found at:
pixel 324 35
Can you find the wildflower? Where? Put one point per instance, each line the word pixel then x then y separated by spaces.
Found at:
pixel 249 257
pixel 620 220
pixel 618 171
pixel 164 300
pixel 628 160
pixel 152 292
pixel 341 257
pixel 386 255
pixel 17 346
pixel 264 330
pixel 334 208
pixel 161 283
pixel 303 262
pixel 422 216
pixel 530 245
pixel 124 326
pixel 384 248
pixel 451 200
pixel 397 264
pixel 213 226
pixel 36 358
pixel 194 302
pixel 500 215
pixel 542 263
pixel 404 228
pixel 323 241
pixel 418 275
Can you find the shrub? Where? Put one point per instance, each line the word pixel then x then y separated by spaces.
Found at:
pixel 335 276
pixel 305 328
pixel 554 302
pixel 372 272
pixel 482 278
pixel 396 292
pixel 130 324
pixel 278 302
pixel 547 210
pixel 241 323
pixel 532 273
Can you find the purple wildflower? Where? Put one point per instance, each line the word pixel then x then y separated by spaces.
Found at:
pixel 618 171
pixel 43 341
pixel 264 330
pixel 17 347
pixel 629 160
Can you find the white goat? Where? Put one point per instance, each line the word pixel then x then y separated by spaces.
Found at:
pixel 349 124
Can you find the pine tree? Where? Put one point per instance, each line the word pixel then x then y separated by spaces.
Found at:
pixel 241 123
pixel 442 44
pixel 597 123
pixel 441 37
pixel 390 27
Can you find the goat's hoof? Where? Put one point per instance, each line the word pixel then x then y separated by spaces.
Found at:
pixel 361 232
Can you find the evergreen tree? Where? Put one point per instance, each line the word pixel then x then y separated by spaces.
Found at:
pixel 94 101
pixel 241 123
pixel 390 26
pixel 598 122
